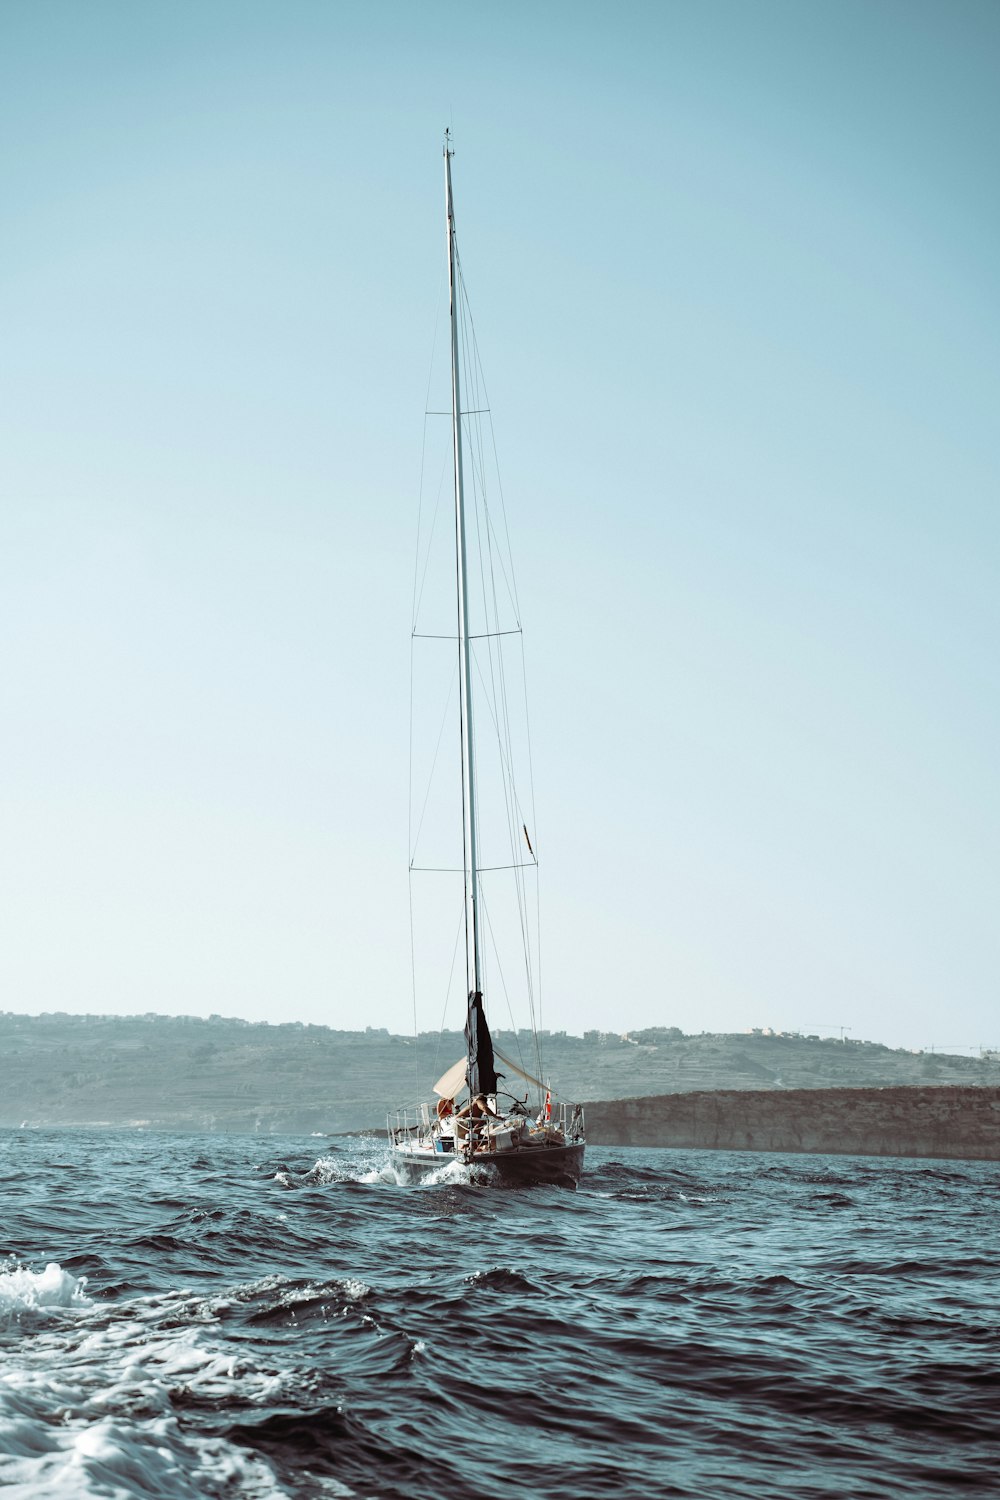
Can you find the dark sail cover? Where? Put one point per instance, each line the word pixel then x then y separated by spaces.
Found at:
pixel 482 1075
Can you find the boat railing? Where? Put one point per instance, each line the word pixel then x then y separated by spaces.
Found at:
pixel 414 1127
pixel 570 1121
pixel 408 1127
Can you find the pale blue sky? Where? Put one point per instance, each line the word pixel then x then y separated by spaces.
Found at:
pixel 734 272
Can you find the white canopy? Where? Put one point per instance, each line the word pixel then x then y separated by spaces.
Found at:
pixel 449 1083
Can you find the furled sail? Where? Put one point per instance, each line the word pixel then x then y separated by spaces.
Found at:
pixel 482 1073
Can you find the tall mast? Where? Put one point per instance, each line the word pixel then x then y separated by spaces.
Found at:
pixel 472 946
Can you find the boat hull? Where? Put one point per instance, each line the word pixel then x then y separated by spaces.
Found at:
pixel 560 1165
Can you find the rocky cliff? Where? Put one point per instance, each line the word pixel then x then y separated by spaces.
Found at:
pixel 943 1121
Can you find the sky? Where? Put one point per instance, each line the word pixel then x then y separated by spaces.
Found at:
pixel 734 270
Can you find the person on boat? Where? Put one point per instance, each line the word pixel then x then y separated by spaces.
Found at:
pixel 478 1108
pixel 446 1118
pixel 472 1118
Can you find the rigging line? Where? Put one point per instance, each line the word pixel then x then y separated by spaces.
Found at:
pixel 481 411
pixel 512 581
pixel 538 965
pixel 423 443
pixel 471 365
pixel 509 581
pixel 473 369
pixel 409 779
pixel 472 392
pixel 413 984
pixel 534 819
pixel 420 515
pixel 430 545
pixel 409 880
pixel 514 834
pixel 512 585
pixel 457 869
pixel 511 590
pixel 503 746
pixel 461 583
pixel 497 673
pixel 496 463
pixel 416 603
pixel 485 520
pixel 502 676
pixel 437 324
pixel 503 985
pixel 526 932
pixel 507 772
pixel 479 473
pixel 499 708
pixel 372 1098
pixel 501 701
pixel 479 469
pixel 477 382
pixel 419 635
pixel 447 993
pixel 513 828
pixel 500 705
pixel 430 778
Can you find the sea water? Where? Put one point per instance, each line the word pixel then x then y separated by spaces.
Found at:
pixel 262 1317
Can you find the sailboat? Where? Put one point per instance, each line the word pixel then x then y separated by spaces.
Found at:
pixel 480 1116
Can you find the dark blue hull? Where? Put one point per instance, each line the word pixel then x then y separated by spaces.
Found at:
pixel 549 1164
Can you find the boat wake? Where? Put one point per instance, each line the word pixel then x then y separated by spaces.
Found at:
pixel 93 1394
pixel 377 1169
pixel 370 1164
pixel 455 1173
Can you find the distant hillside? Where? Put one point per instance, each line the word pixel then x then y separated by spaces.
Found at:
pixel 182 1073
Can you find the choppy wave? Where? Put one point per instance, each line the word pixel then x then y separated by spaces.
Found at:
pixel 95 1407
pixel 188 1318
pixel 23 1292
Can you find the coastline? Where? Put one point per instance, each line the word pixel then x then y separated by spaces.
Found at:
pixel 943 1121
pixel 947 1121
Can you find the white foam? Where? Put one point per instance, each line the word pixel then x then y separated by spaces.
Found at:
pixel 325 1169
pixel 372 1167
pixel 354 1289
pixel 136 1461
pixel 87 1409
pixel 376 1168
pixel 454 1171
pixel 383 1174
pixel 22 1290
pixel 459 1173
pixel 276 1288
